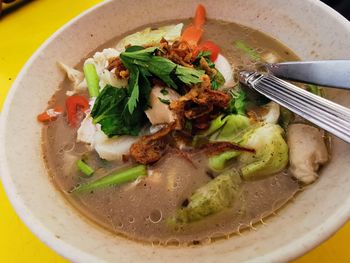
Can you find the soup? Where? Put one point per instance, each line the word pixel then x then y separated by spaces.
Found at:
pixel 159 143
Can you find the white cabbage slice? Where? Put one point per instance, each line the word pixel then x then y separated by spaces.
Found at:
pixel 149 36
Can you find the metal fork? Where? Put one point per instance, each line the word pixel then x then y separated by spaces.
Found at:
pixel 326 114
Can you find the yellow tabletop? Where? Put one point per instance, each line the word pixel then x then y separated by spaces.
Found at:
pixel 21 33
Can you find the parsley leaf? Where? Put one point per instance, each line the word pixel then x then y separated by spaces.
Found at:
pixel 142 64
pixel 189 75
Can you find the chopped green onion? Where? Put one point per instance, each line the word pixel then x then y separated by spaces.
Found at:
pixel 164 101
pixel 164 92
pixel 92 80
pixel 250 52
pixel 113 179
pixel 84 168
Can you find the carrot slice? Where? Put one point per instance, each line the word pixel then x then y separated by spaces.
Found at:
pixel 193 33
pixel 50 115
pixel 199 18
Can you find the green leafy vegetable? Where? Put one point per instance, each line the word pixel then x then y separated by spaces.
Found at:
pixel 151 37
pixel 315 90
pixel 238 102
pixel 233 130
pixel 85 168
pixel 206 55
pixel 142 63
pixel 92 79
pixel 271 152
pixel 218 162
pixel 217 80
pixel 211 198
pixel 113 179
pixel 110 110
pixel 250 52
pixel 215 125
pixel 188 76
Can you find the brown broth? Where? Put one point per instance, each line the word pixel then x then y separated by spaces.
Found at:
pixel 139 210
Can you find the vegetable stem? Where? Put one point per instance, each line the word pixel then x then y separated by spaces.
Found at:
pixel 251 53
pixel 113 179
pixel 85 168
pixel 92 79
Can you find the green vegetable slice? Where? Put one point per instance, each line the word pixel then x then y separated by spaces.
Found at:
pixel 92 79
pixel 218 162
pixel 85 168
pixel 211 198
pixel 250 52
pixel 113 179
pixel 315 90
pixel 271 152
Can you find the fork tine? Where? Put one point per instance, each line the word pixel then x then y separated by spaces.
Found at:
pixel 319 109
pixel 326 114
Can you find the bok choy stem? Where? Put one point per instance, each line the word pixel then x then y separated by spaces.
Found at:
pixel 250 52
pixel 92 79
pixel 85 168
pixel 116 178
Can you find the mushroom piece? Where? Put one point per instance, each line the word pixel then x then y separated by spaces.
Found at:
pixel 307 151
pixel 160 98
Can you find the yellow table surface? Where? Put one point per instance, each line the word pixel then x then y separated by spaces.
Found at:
pixel 21 33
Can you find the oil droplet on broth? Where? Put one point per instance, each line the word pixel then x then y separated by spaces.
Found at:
pixel 155 216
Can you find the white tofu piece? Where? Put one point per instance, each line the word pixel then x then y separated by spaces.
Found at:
pixel 159 112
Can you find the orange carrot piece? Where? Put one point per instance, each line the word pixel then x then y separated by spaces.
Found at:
pixel 50 115
pixel 199 18
pixel 192 35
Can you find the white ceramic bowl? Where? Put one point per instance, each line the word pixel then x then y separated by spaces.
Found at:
pixel 310 28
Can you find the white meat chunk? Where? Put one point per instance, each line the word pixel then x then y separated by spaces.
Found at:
pixel 307 151
pixel 113 148
pixel 159 112
pixel 86 131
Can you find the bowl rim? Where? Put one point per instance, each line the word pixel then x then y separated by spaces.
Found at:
pixel 287 252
